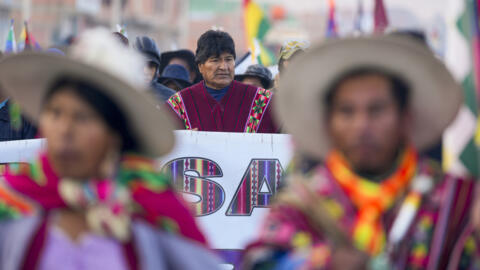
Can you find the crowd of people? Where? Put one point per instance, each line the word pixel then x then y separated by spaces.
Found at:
pixel 361 112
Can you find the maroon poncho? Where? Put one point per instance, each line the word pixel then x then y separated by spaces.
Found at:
pixel 244 108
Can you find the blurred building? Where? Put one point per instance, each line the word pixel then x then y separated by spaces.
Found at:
pixel 178 23
pixel 53 21
pixel 307 19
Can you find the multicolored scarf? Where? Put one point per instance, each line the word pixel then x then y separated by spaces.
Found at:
pixel 138 191
pixel 257 110
pixel 372 200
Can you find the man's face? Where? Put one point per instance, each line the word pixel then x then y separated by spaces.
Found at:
pixel 182 62
pixel 149 70
pixel 366 124
pixel 255 81
pixel 218 71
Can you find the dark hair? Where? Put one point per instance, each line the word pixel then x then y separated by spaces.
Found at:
pixel 108 110
pixel 213 43
pixel 400 88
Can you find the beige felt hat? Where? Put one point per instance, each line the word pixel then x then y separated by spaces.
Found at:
pixel 100 59
pixel 434 100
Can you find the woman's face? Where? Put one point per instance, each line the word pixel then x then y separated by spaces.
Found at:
pixel 78 138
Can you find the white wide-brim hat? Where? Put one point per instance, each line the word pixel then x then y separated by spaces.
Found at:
pixel 435 96
pixel 102 61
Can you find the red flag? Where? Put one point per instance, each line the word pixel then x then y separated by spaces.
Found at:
pixel 28 42
pixel 380 17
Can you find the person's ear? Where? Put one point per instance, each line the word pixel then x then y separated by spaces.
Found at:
pixel 406 121
pixel 116 142
pixel 327 121
pixel 192 75
pixel 201 68
pixel 113 155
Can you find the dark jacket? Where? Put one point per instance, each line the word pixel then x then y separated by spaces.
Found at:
pixel 8 133
pixel 161 91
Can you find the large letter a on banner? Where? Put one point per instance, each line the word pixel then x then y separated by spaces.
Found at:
pixel 259 184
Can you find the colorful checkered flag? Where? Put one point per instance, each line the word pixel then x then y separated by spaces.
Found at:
pixel 462 138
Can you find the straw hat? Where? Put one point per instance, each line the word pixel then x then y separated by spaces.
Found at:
pixel 101 60
pixel 434 100
pixel 289 48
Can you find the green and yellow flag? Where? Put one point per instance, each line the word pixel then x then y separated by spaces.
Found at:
pixel 256 28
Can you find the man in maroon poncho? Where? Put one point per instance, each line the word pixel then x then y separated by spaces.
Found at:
pixel 219 103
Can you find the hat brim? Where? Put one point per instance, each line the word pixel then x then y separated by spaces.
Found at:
pixel 435 96
pixel 149 57
pixel 183 83
pixel 26 78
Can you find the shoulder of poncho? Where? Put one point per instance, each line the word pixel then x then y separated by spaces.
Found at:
pixel 137 170
pixel 249 88
pixel 196 87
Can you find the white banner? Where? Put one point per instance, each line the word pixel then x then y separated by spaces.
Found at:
pixel 233 177
pixel 18 151
pixel 230 179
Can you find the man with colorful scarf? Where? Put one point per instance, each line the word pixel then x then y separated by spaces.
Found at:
pixel 374 202
pixel 219 103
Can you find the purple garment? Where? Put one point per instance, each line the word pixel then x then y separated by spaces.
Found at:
pixel 92 252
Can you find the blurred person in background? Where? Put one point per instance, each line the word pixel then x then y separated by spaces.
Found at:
pixel 94 199
pixel 289 51
pixel 256 75
pixel 13 126
pixel 219 103
pixel 148 48
pixel 185 58
pixel 175 77
pixel 375 202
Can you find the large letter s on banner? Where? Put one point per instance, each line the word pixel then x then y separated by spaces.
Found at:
pixel 189 175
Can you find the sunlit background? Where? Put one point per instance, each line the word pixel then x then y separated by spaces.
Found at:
pixel 262 26
pixel 178 23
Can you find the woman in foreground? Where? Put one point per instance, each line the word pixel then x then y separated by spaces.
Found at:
pixel 93 199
